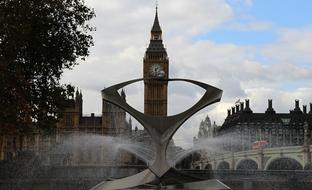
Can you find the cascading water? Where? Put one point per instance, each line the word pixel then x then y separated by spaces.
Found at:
pixel 209 146
pixel 144 152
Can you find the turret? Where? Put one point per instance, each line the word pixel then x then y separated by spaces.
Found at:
pixel 297 107
pixel 130 126
pixel 270 109
pixel 78 100
pixel 247 108
pixel 233 110
pixel 229 112
pixel 304 108
pixel 237 108
pixel 156 32
pixel 242 106
pixel 207 122
pixel 78 108
pixel 77 95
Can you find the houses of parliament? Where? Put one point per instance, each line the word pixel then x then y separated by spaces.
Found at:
pixel 113 119
pixel 112 122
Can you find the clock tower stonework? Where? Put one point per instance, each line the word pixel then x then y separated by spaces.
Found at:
pixel 155 69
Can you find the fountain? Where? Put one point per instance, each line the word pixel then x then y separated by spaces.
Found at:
pixel 161 129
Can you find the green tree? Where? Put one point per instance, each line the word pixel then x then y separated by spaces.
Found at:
pixel 38 40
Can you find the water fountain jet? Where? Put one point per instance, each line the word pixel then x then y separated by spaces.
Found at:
pixel 161 130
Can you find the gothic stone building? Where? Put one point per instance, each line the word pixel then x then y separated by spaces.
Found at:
pixel 278 129
pixel 112 122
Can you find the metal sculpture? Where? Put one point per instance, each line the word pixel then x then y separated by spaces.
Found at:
pixel 160 128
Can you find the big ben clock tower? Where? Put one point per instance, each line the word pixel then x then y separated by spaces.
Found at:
pixel 155 69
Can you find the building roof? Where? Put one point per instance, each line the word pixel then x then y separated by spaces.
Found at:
pixel 156 26
pixel 156 45
pixel 294 118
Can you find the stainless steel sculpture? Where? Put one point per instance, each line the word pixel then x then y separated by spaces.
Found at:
pixel 161 130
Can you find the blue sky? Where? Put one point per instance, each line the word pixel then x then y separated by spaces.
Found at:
pixel 277 14
pixel 283 13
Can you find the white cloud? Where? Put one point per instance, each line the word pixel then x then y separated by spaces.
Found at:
pixel 123 32
pixel 252 25
pixel 293 46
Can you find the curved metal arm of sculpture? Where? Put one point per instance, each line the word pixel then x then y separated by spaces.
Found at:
pixel 211 96
pixel 160 128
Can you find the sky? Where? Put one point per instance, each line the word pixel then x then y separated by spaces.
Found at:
pixel 251 49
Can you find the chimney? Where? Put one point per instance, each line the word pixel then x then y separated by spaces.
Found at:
pixel 233 110
pixel 270 104
pixel 247 103
pixel 237 108
pixel 270 107
pixel 247 108
pixel 297 106
pixel 242 106
pixel 305 109
pixel 229 112
pixel 92 114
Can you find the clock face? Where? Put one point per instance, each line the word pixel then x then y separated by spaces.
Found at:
pixel 156 71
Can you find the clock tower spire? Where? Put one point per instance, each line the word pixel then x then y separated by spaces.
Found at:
pixel 155 68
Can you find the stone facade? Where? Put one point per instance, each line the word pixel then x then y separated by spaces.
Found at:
pixel 112 122
pixel 278 129
pixel 287 138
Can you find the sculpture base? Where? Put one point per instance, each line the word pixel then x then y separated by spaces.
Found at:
pixel 173 179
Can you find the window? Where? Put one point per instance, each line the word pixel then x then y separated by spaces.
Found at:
pixel 286 120
pixel 156 37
